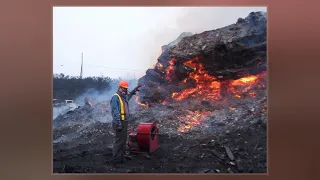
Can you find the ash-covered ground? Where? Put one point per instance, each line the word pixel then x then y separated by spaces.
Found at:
pixel 208 95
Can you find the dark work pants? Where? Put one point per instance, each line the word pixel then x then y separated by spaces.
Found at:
pixel 120 139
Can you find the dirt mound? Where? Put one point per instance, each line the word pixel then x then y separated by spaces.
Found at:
pixel 209 60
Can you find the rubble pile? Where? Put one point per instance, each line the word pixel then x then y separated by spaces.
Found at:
pixel 239 150
pixel 207 93
pixel 215 56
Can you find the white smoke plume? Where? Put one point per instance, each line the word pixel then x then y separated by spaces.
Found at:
pixel 193 20
pixel 60 110
pixel 95 96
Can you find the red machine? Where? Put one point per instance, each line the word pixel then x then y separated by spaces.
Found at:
pixel 145 140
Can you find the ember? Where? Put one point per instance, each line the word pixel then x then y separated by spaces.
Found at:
pixel 170 68
pixel 192 119
pixel 158 66
pixel 207 86
pixel 140 103
pixel 164 102
pixel 243 85
pixel 232 108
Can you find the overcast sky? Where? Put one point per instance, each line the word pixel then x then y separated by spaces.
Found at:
pixel 126 41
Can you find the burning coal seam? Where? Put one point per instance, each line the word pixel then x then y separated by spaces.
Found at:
pixel 207 87
pixel 219 67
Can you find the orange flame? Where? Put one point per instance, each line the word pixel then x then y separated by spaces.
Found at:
pixel 180 96
pixel 192 119
pixel 232 108
pixel 170 68
pixel 159 66
pixel 244 85
pixel 207 86
pixel 141 104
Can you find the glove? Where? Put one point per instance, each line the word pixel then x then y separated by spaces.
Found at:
pixel 134 91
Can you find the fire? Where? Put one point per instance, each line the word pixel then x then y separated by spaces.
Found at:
pixel 237 96
pixel 170 68
pixel 245 85
pixel 180 96
pixel 192 119
pixel 159 66
pixel 207 86
pixel 232 108
pixel 141 104
pixel 245 80
pixel 252 94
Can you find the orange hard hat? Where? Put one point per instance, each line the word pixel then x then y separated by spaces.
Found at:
pixel 124 84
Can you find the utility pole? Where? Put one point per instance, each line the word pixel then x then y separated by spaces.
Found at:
pixel 81 65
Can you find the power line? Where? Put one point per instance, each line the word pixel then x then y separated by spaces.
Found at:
pixel 116 68
pixel 136 70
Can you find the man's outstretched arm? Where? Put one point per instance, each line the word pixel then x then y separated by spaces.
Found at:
pixel 133 92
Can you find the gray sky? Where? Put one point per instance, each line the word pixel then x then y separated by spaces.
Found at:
pixel 126 41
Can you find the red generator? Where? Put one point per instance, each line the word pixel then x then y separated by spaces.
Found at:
pixel 145 140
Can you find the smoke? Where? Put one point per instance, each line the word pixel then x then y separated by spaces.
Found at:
pixel 199 19
pixel 95 96
pixel 59 110
pixel 194 20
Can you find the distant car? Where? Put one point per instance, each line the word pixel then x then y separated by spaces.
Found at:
pixel 71 105
pixel 69 101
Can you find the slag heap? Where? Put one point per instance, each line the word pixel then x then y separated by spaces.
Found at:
pixel 211 66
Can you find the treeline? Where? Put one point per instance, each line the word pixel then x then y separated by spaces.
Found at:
pixel 69 87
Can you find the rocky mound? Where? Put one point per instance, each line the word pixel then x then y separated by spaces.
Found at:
pixel 211 58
